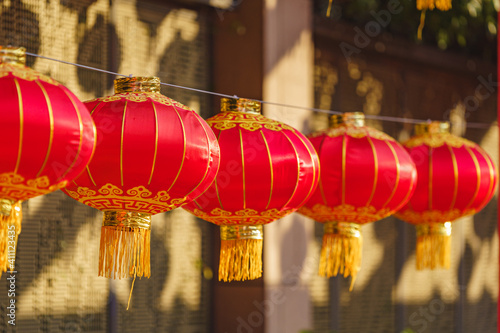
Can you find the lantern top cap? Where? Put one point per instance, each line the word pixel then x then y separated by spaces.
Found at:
pixel 137 84
pixel 240 105
pixel 356 119
pixel 432 127
pixel 12 55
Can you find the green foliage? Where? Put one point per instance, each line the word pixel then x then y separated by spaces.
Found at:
pixel 470 27
pixel 407 330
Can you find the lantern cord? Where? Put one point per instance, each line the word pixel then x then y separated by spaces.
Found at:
pixel 289 106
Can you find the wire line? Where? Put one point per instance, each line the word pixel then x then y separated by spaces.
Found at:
pixel 383 118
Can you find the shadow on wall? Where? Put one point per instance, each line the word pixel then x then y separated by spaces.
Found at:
pixel 80 6
pixel 90 51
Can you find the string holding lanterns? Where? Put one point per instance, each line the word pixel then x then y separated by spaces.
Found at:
pixel 268 170
pixel 49 138
pixel 154 154
pixel 365 176
pixel 456 178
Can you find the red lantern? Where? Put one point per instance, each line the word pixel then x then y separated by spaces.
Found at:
pixel 268 170
pixel 365 176
pixel 153 155
pixel 456 178
pixel 48 139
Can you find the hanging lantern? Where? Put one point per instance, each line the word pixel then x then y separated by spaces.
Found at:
pixel 153 155
pixel 423 5
pixel 456 178
pixel 365 176
pixel 48 139
pixel 268 170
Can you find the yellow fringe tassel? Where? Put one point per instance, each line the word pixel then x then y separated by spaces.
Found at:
pixel 124 252
pixel 10 228
pixel 340 253
pixel 433 251
pixel 240 260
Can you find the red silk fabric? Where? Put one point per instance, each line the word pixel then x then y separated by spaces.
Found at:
pixel 456 178
pixel 365 175
pixel 48 135
pixel 268 170
pixel 153 154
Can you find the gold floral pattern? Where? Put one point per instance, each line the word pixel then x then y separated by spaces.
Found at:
pixel 433 216
pixel 24 73
pixel 141 97
pixel 16 187
pixel 357 132
pixel 245 216
pixel 435 140
pixel 139 198
pixel 248 121
pixel 345 213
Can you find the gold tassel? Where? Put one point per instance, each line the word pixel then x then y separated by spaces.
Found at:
pixel 10 228
pixel 341 250
pixel 328 11
pixel 240 253
pixel 421 25
pixel 433 246
pixel 124 252
pixel 125 246
pixel 423 5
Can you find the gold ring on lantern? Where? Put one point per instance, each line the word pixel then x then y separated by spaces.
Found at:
pixel 13 55
pixel 349 118
pixel 442 229
pixel 434 127
pixel 343 228
pixel 127 219
pixel 234 232
pixel 240 105
pixel 137 84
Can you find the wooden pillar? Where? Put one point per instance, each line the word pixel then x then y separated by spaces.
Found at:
pixel 289 258
pixel 237 70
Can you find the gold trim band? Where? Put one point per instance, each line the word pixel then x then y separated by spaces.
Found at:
pixel 234 232
pixel 356 119
pixel 12 55
pixel 343 228
pixel 432 127
pixel 128 219
pixel 6 206
pixel 240 105
pixel 443 229
pixel 137 84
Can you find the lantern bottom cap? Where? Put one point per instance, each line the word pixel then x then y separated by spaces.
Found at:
pixel 240 253
pixel 341 250
pixel 125 246
pixel 433 246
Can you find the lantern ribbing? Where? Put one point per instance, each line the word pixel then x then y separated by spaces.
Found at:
pixel 268 170
pixel 154 155
pixel 365 176
pixel 49 138
pixel 456 178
